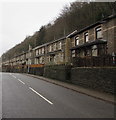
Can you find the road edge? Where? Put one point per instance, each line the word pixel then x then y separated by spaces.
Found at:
pixel 89 92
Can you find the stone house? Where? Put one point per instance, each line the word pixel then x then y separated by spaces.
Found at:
pixel 55 52
pixel 97 39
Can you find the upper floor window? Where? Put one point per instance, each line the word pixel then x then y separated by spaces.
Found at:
pixel 86 37
pixel 36 52
pixel 42 50
pixel 77 40
pixel 39 51
pixel 60 45
pixel 98 33
pixel 50 48
pixel 54 46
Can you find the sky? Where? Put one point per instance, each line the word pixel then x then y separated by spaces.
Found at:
pixel 21 18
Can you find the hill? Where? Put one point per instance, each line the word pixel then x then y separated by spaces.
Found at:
pixel 75 17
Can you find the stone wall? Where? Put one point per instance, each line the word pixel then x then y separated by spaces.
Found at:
pixel 99 78
pixel 102 79
pixel 37 71
pixel 58 72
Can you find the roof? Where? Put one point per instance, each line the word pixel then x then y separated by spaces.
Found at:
pixel 87 44
pixel 49 43
pixel 57 40
pixel 92 25
pixel 40 46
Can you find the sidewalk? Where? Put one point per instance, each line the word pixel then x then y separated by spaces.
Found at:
pixel 90 92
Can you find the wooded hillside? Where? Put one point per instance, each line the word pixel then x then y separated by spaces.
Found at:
pixel 75 17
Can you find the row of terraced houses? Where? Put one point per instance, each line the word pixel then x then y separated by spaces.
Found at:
pixel 94 45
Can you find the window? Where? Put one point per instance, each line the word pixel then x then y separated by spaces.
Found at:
pixel 55 59
pixel 87 52
pixel 50 48
pixel 102 49
pixel 41 61
pixel 39 51
pixel 54 46
pixel 94 50
pixel 77 40
pixel 42 50
pixel 36 60
pixel 73 53
pixel 36 52
pixel 98 33
pixel 60 45
pixel 61 57
pixel 86 37
pixel 29 61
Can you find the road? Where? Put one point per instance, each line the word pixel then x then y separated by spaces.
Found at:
pixel 27 97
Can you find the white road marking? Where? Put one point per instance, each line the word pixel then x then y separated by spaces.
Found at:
pixel 14 76
pixel 41 96
pixel 21 81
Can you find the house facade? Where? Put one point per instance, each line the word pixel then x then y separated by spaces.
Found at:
pixel 55 52
pixel 96 40
pixel 93 41
pixel 50 53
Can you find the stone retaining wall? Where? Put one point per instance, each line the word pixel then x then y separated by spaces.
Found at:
pixel 102 79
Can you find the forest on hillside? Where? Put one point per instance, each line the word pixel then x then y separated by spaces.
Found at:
pixel 75 17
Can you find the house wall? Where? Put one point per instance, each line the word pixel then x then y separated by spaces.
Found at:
pixel 67 50
pixel 55 56
pixel 109 34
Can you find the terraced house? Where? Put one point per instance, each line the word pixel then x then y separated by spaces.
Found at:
pixel 96 40
pixel 55 52
pixel 50 53
pixel 39 55
pixel 94 45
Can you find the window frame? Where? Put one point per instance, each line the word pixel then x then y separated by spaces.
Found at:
pixel 60 45
pixel 43 50
pixel 76 39
pixel 98 29
pixel 86 34
pixel 93 50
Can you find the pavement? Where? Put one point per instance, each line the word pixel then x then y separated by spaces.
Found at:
pixel 26 96
pixel 87 91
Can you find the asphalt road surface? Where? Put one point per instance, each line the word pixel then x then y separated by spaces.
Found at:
pixel 27 97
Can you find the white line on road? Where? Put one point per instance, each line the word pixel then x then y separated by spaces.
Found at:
pixel 41 96
pixel 21 81
pixel 14 76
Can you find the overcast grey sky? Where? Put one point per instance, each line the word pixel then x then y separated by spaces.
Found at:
pixel 20 18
